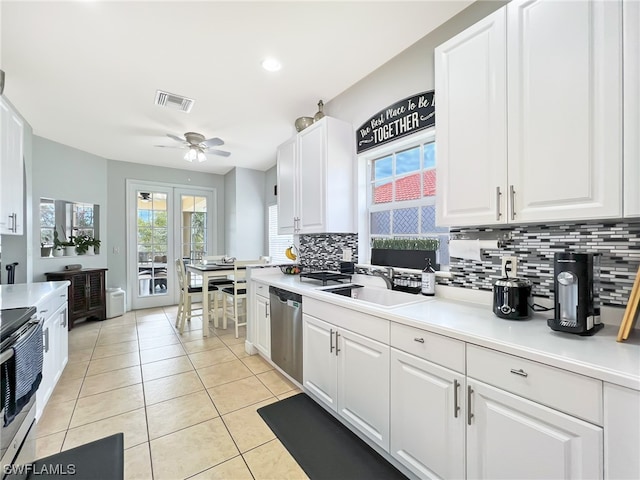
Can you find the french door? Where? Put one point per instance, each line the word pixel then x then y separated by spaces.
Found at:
pixel 166 223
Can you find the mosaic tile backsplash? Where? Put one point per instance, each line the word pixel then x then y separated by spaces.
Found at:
pixel 534 245
pixel 324 251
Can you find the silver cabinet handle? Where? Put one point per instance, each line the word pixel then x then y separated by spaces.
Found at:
pixel 266 309
pixel 512 197
pixel 419 340
pixel 64 321
pixel 469 412
pixel 331 340
pixel 520 372
pixel 498 195
pixel 44 311
pixel 46 340
pixel 456 407
pixel 337 349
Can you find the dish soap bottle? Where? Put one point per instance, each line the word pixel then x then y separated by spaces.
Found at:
pixel 429 280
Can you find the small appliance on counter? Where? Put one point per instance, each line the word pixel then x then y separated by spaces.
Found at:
pixel 576 284
pixel 511 298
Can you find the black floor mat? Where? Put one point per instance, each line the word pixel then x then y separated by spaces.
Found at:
pixel 322 446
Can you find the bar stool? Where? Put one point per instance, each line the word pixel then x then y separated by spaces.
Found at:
pixel 235 296
pixel 187 292
pixel 215 288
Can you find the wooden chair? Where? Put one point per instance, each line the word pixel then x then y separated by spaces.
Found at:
pixel 185 308
pixel 234 297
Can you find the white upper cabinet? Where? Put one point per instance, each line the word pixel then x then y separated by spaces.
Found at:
pixel 11 171
pixel 316 179
pixel 564 70
pixel 471 131
pixel 556 90
pixel 631 55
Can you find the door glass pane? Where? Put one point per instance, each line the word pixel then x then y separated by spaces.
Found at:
pixel 193 226
pixel 152 243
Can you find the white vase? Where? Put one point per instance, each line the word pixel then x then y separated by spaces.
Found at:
pixel 91 250
pixel 70 251
pixel 58 252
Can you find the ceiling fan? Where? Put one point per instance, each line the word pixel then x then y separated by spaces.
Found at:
pixel 197 146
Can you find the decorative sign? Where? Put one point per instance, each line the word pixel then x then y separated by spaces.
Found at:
pixel 398 120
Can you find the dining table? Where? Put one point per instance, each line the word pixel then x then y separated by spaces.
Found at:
pixel 209 271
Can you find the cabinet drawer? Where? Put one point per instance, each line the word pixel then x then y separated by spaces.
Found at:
pixel 565 391
pixel 435 348
pixel 261 289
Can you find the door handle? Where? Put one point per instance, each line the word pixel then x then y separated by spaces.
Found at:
pixel 456 407
pixel 337 349
pixel 512 197
pixel 46 339
pixel 498 195
pixel 469 412
pixel 331 340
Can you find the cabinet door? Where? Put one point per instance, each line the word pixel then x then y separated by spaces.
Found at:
pixel 78 293
pixel 263 325
pixel 363 385
pixel 564 109
pixel 471 138
pixel 427 417
pixel 12 171
pixel 286 173
pixel 96 292
pixel 631 51
pixel 621 432
pixel 320 362
pixel 49 331
pixel 312 170
pixel 511 437
pixel 61 339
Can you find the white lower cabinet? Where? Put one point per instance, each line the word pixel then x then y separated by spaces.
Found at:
pixel 427 417
pixel 621 432
pixel 349 373
pixel 55 346
pixel 511 437
pixel 262 320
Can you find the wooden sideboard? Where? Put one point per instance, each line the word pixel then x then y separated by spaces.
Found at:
pixel 87 295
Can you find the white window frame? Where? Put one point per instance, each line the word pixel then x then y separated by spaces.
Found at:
pixel 365 186
pixel 277 257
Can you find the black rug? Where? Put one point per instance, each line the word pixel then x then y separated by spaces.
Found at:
pixel 322 446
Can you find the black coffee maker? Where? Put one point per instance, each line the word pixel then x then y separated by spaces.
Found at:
pixel 576 286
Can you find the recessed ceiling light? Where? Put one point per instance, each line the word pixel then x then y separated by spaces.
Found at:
pixel 271 64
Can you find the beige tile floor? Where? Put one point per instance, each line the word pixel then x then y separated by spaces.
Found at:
pixel 186 404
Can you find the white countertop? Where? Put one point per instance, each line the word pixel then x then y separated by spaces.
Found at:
pixel 27 294
pixel 598 356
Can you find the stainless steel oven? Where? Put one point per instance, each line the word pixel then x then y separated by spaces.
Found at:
pixel 21 332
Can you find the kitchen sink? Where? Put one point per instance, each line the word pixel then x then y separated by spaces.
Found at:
pixel 379 297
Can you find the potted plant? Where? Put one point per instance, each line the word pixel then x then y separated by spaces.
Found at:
pixel 58 246
pixel 69 247
pixel 45 246
pixel 404 252
pixel 86 244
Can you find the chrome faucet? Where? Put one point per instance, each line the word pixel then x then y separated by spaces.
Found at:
pixel 386 274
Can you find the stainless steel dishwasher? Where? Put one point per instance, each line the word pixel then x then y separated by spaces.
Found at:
pixel 286 331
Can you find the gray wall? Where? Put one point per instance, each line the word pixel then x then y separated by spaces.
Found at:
pixel 406 74
pixel 64 173
pixel 245 213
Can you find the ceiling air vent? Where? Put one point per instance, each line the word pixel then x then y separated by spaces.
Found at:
pixel 170 100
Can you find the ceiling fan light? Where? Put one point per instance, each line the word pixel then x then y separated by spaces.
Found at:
pixel 201 156
pixel 271 65
pixel 191 155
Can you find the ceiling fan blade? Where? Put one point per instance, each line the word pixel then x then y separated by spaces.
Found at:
pixel 212 142
pixel 170 146
pixel 177 138
pixel 222 153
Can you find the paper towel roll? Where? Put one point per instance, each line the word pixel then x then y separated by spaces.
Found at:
pixel 470 249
